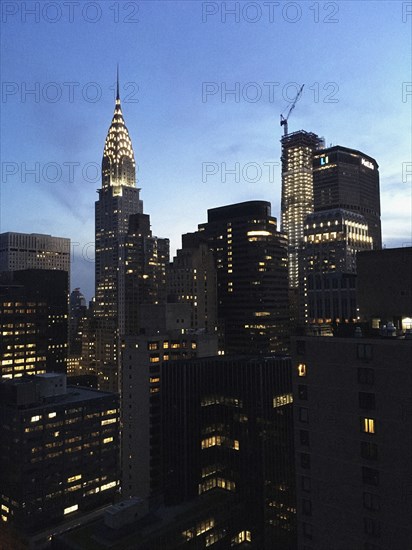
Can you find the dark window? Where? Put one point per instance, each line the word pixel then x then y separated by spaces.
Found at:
pixel 303 392
pixel 307 530
pixel 371 501
pixel 369 450
pixel 371 546
pixel 366 400
pixel 366 376
pixel 305 460
pixel 303 414
pixel 371 527
pixel 370 476
pixel 300 347
pixel 306 507
pixel 304 437
pixel 305 483
pixel 364 351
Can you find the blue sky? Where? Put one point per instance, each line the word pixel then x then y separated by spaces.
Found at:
pixel 353 57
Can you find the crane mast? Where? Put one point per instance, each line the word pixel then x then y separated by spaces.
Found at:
pixel 284 120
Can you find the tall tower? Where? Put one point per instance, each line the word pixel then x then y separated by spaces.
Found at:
pixel 252 285
pixel 118 200
pixel 297 192
pixel 347 178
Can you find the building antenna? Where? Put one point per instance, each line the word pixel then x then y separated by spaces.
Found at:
pixel 117 87
pixel 284 120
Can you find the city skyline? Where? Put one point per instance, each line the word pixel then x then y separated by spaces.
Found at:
pixel 181 129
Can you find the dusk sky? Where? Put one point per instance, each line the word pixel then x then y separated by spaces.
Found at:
pixel 353 57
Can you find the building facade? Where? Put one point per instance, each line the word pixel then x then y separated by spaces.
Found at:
pixel 384 287
pixel 349 179
pixel 192 279
pixel 33 322
pixel 353 451
pixel 297 192
pixel 58 453
pixel 33 251
pixel 252 281
pixel 228 428
pixel 332 239
pixel 167 338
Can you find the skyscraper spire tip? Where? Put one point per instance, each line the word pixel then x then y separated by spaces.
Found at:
pixel 117 88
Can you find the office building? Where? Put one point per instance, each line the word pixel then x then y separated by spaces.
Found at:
pixel 167 337
pixel 146 259
pixel 252 287
pixel 33 322
pixel 332 239
pixel 192 280
pixel 228 427
pixel 353 450
pixel 349 179
pixel 77 310
pixel 297 193
pixel 58 454
pixel 33 251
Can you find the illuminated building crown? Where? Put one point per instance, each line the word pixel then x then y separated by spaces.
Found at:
pixel 118 163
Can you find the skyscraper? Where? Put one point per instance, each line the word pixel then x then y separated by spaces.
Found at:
pixel 346 178
pixel 192 279
pixel 118 200
pixel 252 286
pixel 297 192
pixel 328 258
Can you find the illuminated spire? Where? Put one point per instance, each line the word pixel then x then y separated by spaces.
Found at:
pixel 118 163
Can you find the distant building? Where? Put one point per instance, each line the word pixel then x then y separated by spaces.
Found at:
pixel 33 251
pixel 77 310
pixel 130 262
pixel 146 259
pixel 297 192
pixel 352 436
pixel 332 239
pixel 192 279
pixel 349 179
pixel 58 454
pixel 33 322
pixel 227 425
pixel 252 281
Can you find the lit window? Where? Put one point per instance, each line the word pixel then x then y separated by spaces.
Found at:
pixel 107 486
pixel 35 418
pixel 52 415
pixel 368 425
pixel 74 478
pixel 108 421
pixel 301 369
pixel 71 509
pixel 281 400
pixel 107 439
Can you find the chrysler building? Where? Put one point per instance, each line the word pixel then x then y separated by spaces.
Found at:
pixel 118 200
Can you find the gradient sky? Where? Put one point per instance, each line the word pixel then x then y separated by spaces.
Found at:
pixel 167 51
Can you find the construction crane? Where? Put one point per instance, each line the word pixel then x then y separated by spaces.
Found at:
pixel 284 120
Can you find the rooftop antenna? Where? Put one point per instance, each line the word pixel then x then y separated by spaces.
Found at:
pixel 117 86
